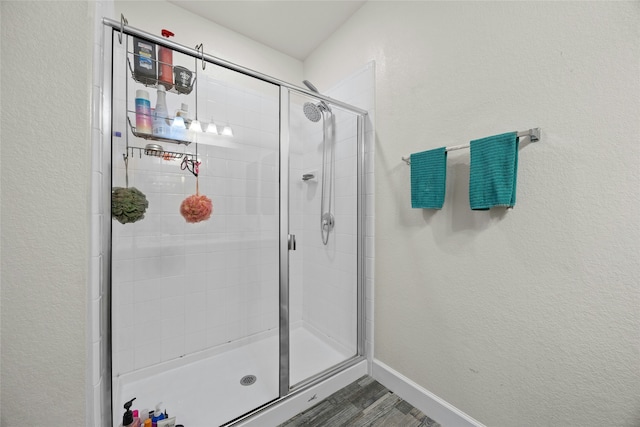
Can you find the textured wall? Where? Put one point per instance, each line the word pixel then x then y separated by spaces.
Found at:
pixel 531 316
pixel 45 77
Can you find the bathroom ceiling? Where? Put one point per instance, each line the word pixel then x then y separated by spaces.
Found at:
pixel 293 27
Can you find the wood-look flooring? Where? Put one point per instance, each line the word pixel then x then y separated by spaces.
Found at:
pixel 364 402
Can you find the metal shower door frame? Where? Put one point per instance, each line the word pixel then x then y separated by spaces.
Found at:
pixel 286 388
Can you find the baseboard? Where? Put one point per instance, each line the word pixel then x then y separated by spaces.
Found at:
pixel 436 408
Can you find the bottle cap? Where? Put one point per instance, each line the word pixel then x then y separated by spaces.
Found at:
pixel 161 88
pixel 143 94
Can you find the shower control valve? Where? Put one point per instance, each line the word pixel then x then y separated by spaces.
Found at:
pixel 328 221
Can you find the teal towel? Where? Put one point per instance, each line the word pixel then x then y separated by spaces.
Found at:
pixel 428 178
pixel 494 168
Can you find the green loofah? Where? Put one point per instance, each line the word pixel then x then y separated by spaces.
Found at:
pixel 128 204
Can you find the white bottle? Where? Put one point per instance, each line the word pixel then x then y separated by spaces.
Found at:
pixel 160 119
pixel 180 123
pixel 184 113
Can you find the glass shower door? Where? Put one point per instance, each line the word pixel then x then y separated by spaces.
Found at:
pixel 195 305
pixel 323 212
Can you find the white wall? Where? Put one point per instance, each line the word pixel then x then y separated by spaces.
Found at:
pixel 46 157
pixel 190 30
pixel 530 316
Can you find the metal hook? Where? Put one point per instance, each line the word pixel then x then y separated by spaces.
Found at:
pixel 123 22
pixel 200 48
pixel 191 164
pixel 125 157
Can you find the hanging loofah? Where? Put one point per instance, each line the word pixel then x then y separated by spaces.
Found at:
pixel 128 204
pixel 196 208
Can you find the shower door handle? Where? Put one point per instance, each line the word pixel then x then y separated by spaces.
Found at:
pixel 292 242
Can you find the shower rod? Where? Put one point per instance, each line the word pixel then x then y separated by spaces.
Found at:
pixel 533 134
pixel 122 27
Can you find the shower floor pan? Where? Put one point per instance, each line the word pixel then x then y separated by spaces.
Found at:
pixel 217 389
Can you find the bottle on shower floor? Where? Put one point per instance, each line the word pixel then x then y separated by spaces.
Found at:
pixel 128 419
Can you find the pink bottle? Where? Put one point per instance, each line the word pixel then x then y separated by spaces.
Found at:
pixel 144 119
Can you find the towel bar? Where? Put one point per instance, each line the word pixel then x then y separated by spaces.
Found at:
pixel 533 134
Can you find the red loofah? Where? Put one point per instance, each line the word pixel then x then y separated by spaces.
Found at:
pixel 196 208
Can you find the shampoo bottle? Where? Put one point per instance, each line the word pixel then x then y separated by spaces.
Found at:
pixel 128 419
pixel 144 61
pixel 143 112
pixel 165 60
pixel 160 124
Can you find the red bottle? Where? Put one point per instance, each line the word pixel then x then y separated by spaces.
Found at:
pixel 165 63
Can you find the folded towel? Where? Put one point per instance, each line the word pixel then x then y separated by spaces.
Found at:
pixel 494 168
pixel 428 178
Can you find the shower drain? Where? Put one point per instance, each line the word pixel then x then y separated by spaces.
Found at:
pixel 248 380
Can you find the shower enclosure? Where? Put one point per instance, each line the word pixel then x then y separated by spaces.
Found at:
pixel 218 319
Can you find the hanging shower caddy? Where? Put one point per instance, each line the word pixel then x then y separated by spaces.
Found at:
pixel 185 89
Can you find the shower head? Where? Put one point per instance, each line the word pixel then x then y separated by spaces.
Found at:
pixel 312 111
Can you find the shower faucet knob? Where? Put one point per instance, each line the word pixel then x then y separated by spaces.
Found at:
pixel 328 221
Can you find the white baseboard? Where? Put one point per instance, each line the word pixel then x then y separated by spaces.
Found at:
pixel 436 408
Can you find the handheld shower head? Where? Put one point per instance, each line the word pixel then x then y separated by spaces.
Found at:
pixel 312 111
